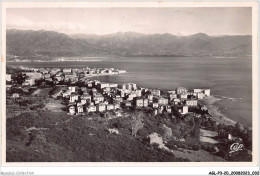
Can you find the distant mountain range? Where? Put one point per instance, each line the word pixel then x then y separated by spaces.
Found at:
pixel 35 45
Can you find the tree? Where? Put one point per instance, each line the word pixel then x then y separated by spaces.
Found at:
pixel 238 128
pixel 165 132
pixel 106 116
pixel 136 124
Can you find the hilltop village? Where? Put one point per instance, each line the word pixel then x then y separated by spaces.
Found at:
pixel 52 106
pixel 99 96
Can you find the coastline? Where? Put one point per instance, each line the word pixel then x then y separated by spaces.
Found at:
pixel 102 74
pixel 215 112
pixel 233 109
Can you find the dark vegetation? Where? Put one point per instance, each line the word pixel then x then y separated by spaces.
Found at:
pixel 61 137
pixel 78 139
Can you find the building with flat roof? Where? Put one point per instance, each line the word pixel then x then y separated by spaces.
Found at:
pixel 102 85
pixel 161 100
pixel 150 97
pixel 191 102
pixel 139 102
pixel 127 103
pixel 155 92
pixel 155 105
pixel 197 90
pixel 29 82
pixel 200 95
pixel 207 92
pixel 74 97
pixel 66 70
pixel 185 109
pixel 15 95
pixel 91 108
pixel 101 107
pixel 110 107
pixel 145 102
pixel 183 96
pixel 116 105
pixel 181 90
pixel 72 110
pixel 8 77
pixel 172 96
pixel 80 109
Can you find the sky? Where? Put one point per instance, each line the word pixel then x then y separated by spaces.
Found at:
pixel 100 21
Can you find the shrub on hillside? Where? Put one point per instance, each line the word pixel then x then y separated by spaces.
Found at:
pixel 196 147
pixel 143 132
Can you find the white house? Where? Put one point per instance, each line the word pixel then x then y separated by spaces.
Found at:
pixel 172 96
pixel 67 70
pixel 181 90
pixel 72 110
pixel 80 109
pixel 200 95
pixel 138 93
pixel 185 109
pixel 191 102
pixel 110 107
pixel 127 103
pixel 156 92
pixel 160 109
pixel 8 77
pixel 150 97
pixel 129 86
pixel 29 81
pixel 66 93
pixel 16 95
pixel 102 85
pixel 156 139
pixel 155 105
pixel 207 92
pixel 83 101
pixel 72 89
pixel 113 85
pixel 74 97
pixel 176 101
pixel 168 109
pixel 131 96
pixel 139 102
pixel 183 96
pixel 98 98
pixel 155 112
pixel 116 105
pixel 197 90
pixel 101 107
pixel 91 108
pixel 161 100
pixel 145 102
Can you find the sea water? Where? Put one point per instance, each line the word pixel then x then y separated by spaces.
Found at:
pixel 230 78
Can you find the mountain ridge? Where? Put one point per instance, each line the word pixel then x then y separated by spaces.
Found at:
pixel 47 45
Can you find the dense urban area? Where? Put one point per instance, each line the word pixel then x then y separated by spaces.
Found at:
pixel 66 114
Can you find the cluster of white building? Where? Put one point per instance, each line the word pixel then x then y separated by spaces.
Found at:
pixel 57 75
pixel 95 97
pixel 98 96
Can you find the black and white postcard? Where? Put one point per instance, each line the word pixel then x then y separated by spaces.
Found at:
pixel 129 83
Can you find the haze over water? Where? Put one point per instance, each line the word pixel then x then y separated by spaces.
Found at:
pixel 226 77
